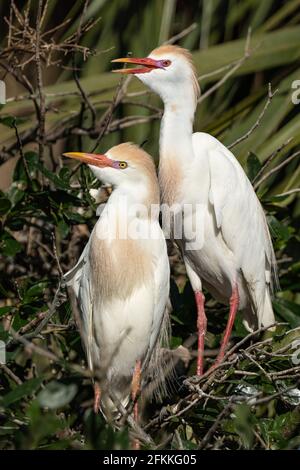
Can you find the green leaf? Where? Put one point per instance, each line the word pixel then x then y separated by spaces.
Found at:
pixel 35 291
pixel 243 423
pixel 21 391
pixel 253 166
pixel 5 310
pixel 279 230
pixel 15 223
pixel 59 183
pixel 63 228
pixel 32 160
pixel 5 205
pixel 56 395
pixel 11 121
pixel 9 246
pixel 289 311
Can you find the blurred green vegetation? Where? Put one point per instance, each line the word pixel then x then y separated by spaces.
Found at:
pixel 45 402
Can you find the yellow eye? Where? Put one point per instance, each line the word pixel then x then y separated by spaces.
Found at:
pixel 122 165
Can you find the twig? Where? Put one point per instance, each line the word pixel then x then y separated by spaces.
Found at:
pixel 19 141
pixel 39 75
pixel 251 359
pixel 140 433
pixel 10 373
pixel 270 159
pixel 291 191
pixel 215 425
pixel 217 71
pixel 48 354
pixel 259 119
pixel 239 63
pixel 182 34
pixel 106 118
pixel 276 168
pixel 53 308
pixel 84 96
pixel 56 256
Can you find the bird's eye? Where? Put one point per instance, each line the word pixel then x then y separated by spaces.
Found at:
pixel 166 63
pixel 122 165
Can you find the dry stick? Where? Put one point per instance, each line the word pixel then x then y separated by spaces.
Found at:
pixel 10 22
pixel 281 394
pixel 25 138
pixel 56 256
pixel 271 158
pixel 38 65
pixel 141 434
pixel 48 354
pixel 178 439
pixel 217 71
pixel 24 329
pixel 258 121
pixel 208 377
pixel 19 141
pixel 251 359
pixel 85 99
pixel 53 307
pixel 239 63
pixel 182 34
pixel 46 317
pixel 287 193
pixel 214 427
pixel 276 168
pixel 211 372
pixel 260 439
pixel 106 118
pixel 44 13
pixel 280 373
pixel 10 373
pixel 209 380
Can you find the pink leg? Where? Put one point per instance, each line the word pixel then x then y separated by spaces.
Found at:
pixel 234 305
pixel 201 326
pixel 135 388
pixel 97 397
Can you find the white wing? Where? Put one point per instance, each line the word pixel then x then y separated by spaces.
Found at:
pixel 80 280
pixel 160 330
pixel 238 212
pixel 162 288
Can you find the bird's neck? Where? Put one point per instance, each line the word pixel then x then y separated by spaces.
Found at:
pixel 134 201
pixel 176 149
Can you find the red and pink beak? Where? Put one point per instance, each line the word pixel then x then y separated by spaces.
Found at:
pixel 91 159
pixel 146 65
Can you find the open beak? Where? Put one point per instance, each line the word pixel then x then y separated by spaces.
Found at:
pixel 91 159
pixel 146 65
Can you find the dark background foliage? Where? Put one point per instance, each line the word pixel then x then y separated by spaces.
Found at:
pixel 61 96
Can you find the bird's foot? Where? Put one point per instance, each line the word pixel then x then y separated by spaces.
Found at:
pixel 97 397
pixel 234 305
pixel 135 389
pixel 201 325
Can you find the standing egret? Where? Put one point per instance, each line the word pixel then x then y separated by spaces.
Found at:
pixel 121 280
pixel 234 258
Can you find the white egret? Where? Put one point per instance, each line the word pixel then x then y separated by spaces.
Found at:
pixel 121 280
pixel 234 258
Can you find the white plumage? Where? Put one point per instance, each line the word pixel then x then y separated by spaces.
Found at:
pixel 121 280
pixel 234 257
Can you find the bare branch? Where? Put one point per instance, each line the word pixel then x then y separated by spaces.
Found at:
pixel 259 119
